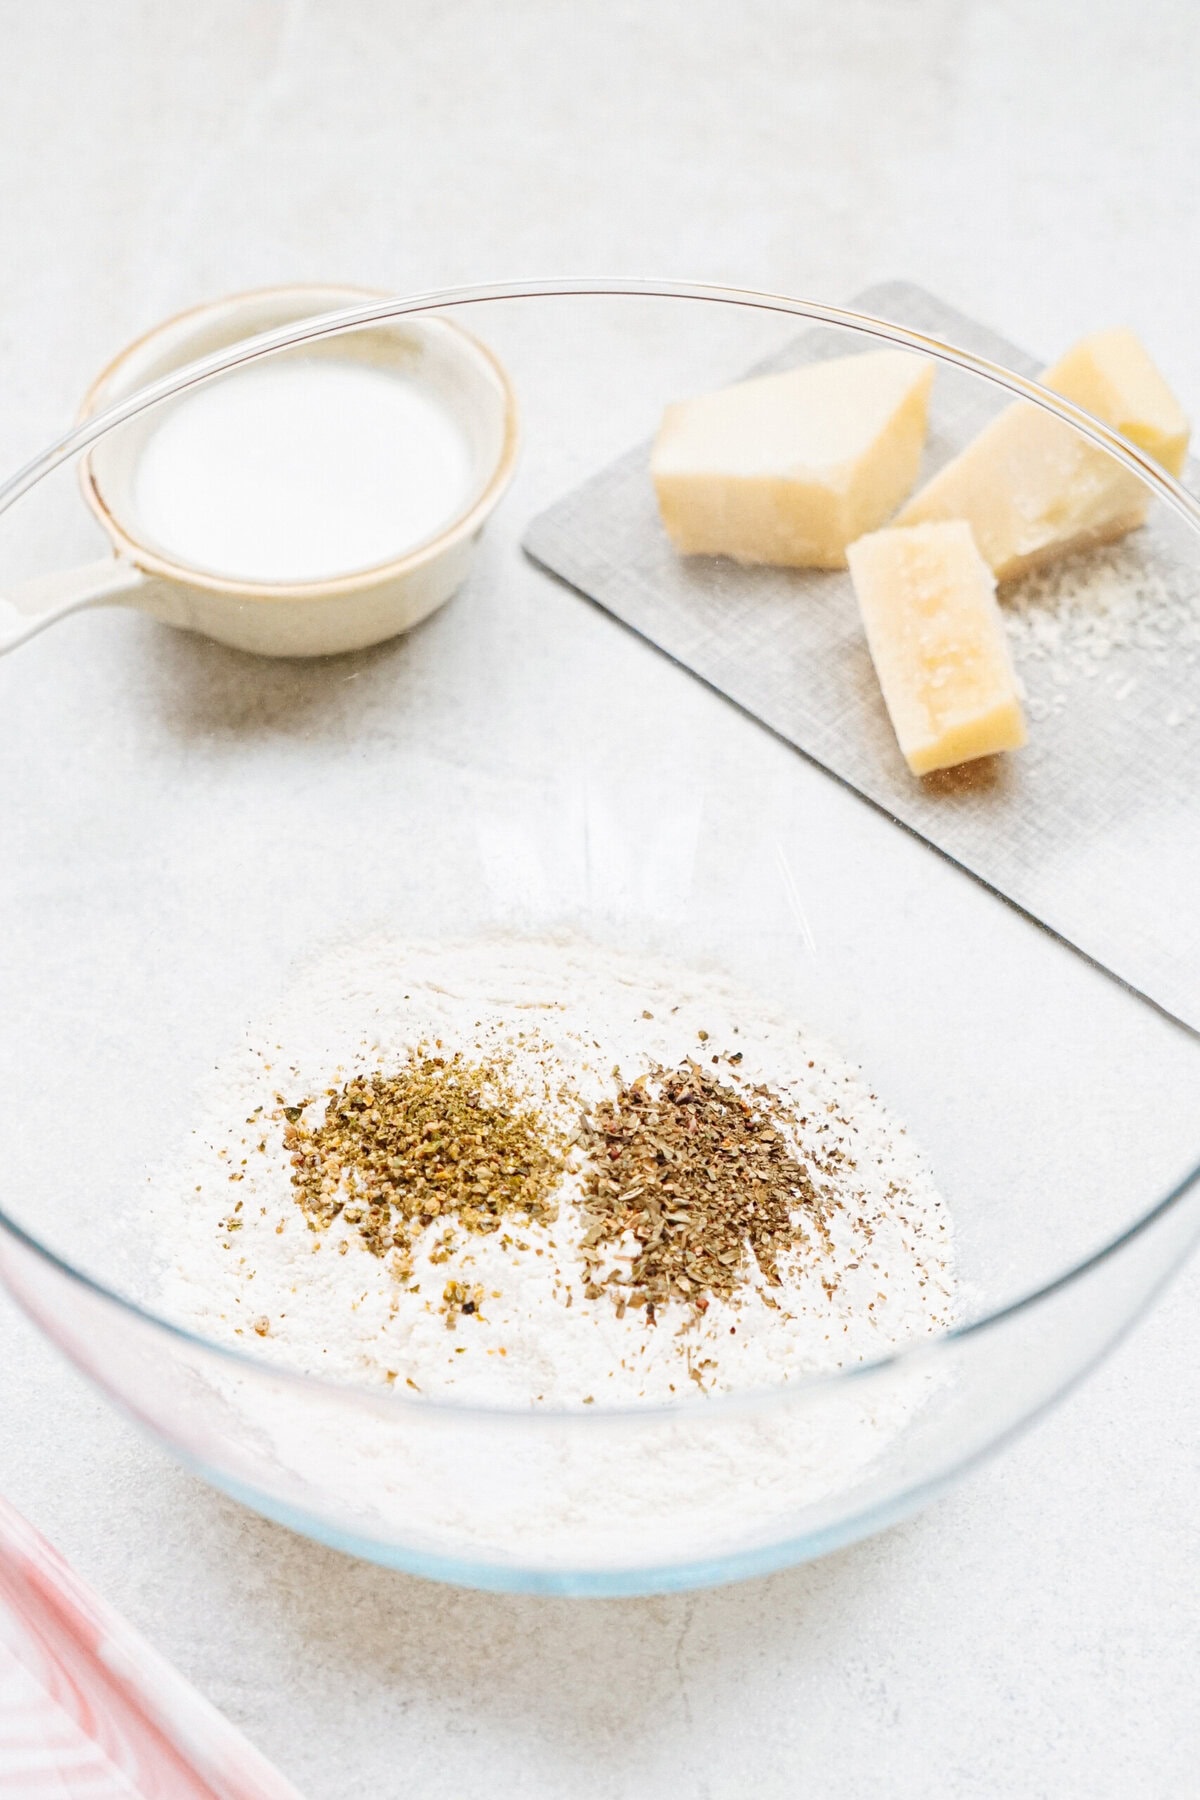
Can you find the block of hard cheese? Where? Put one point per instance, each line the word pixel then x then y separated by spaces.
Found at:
pixel 1111 374
pixel 789 469
pixel 1032 489
pixel 928 604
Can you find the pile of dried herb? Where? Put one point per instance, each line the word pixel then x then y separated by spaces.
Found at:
pixel 702 1178
pixel 441 1138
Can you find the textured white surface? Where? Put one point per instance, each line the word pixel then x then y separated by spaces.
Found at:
pixel 1039 165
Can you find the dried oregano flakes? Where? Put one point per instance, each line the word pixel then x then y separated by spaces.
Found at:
pixel 688 1186
pixel 700 1178
pixel 439 1138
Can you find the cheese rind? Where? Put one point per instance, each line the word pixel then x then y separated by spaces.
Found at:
pixel 936 636
pixel 1112 375
pixel 789 469
pixel 1032 489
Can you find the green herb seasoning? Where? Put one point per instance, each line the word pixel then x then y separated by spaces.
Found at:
pixel 701 1178
pixel 440 1139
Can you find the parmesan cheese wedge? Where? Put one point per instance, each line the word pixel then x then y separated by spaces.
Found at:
pixel 928 604
pixel 1031 489
pixel 1111 374
pixel 789 469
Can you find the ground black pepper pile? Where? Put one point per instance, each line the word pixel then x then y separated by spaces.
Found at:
pixel 702 1178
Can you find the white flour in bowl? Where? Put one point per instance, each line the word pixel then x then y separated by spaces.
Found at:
pixel 574 1021
pixel 565 1016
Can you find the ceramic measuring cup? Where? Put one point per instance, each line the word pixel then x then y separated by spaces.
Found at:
pixel 291 617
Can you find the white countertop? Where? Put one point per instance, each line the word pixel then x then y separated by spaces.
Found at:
pixel 1038 164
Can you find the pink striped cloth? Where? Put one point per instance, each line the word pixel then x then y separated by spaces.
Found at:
pixel 88 1711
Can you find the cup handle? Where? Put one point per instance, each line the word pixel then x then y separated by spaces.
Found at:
pixel 33 605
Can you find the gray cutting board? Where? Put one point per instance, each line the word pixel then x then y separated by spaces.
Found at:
pixel 1094 829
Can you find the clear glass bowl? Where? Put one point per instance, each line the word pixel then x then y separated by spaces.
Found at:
pixel 520 762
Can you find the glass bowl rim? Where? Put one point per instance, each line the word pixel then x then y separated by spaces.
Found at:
pixel 327 325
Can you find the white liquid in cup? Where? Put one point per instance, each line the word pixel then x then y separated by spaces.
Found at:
pixel 300 471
